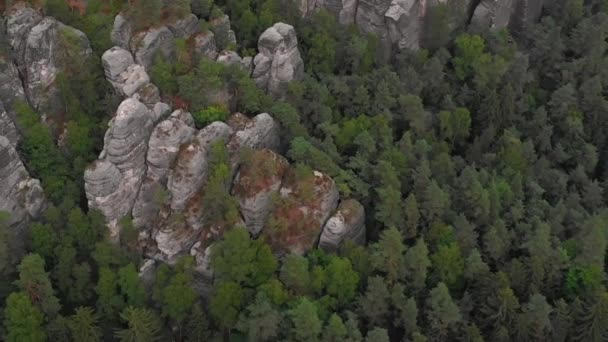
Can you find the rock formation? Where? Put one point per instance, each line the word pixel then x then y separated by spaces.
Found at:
pixel 400 23
pixel 348 223
pixel 20 195
pixel 278 61
pixel 204 45
pixel 112 182
pixel 305 203
pixel 258 180
pixel 42 49
pixel 163 147
pixel 129 79
pixel 192 163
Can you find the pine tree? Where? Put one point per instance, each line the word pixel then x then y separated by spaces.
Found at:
pixel 83 325
pixel 143 326
pixel 23 321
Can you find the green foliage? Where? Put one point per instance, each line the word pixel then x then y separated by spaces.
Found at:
pixel 206 116
pixel 143 326
pixel 83 325
pixel 240 259
pixel 23 321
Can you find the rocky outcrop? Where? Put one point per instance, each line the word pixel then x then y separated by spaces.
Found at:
pixel 8 129
pixel 21 196
pixel 204 45
pixel 130 79
pixel 192 163
pixel 348 223
pixel 163 147
pixel 42 49
pixel 401 23
pixel 121 31
pixel 20 19
pixel 493 14
pixel 258 180
pixel 279 61
pixel 147 44
pixel 305 203
pixel 112 182
pixel 184 27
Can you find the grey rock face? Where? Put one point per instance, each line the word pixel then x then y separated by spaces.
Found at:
pixel 40 45
pixel 125 143
pixel 145 45
pixel 7 127
pixel 348 223
pixel 184 27
pixel 279 61
pixel 163 147
pixel 121 32
pixel 20 195
pixel 204 45
pixel 258 133
pixel 113 182
pixel 256 183
pixel 115 62
pixel 192 164
pixel 493 14
pixel 11 90
pixel 147 273
pixel 20 19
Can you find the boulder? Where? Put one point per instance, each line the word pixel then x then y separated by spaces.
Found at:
pixel 145 45
pixel 279 61
pixel 163 146
pixel 204 45
pixel 115 61
pixel 21 196
pixel 184 27
pixel 348 223
pixel 229 58
pixel 258 180
pixel 49 48
pixel 192 162
pixel 305 203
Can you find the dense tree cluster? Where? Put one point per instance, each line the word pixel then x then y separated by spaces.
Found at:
pixel 481 162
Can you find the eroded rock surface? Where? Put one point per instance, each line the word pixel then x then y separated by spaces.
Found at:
pixel 204 45
pixel 348 223
pixel 305 204
pixel 42 49
pixel 163 147
pixel 279 61
pixel 192 163
pixel 21 196
pixel 259 178
pixel 112 182
pixel 145 45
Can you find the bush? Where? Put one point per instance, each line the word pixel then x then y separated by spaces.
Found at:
pixel 206 116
